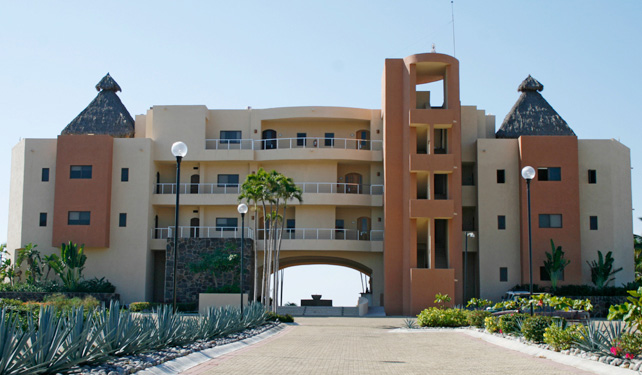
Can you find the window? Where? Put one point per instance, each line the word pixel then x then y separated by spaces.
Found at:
pixel 43 219
pixel 230 136
pixel 300 139
pixel 79 218
pixel 549 174
pixel 122 220
pixel 550 221
pixel 80 171
pixel 592 176
pixel 503 274
pixel 501 176
pixel 593 222
pixel 228 180
pixel 290 224
pixel 468 174
pixel 45 174
pixel 124 174
pixel 545 276
pixel 226 223
pixel 501 222
pixel 329 139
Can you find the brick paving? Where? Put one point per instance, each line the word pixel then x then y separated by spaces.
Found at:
pixel 371 346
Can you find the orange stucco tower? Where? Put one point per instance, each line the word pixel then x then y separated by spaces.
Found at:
pixel 422 166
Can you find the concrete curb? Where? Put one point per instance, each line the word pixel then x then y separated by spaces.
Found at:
pixel 184 363
pixel 569 360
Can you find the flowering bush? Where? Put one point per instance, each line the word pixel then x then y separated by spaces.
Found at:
pixel 476 318
pixel 438 317
pixel 533 327
pixel 491 324
pixel 629 345
pixel 560 338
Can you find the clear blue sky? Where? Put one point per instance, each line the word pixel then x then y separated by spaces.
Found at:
pixel 231 54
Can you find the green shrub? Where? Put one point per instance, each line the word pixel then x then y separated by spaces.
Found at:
pixel 95 285
pixel 272 317
pixel 560 338
pixel 64 303
pixel 631 344
pixel 511 323
pixel 491 324
pixel 478 303
pixel 141 306
pixel 437 317
pixel 533 327
pixel 476 318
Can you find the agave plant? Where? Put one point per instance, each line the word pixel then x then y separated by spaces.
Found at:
pixel 599 338
pixel 14 343
pixel 410 323
pixel 82 343
pixel 121 334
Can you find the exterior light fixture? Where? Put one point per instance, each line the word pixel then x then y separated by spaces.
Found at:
pixel 242 209
pixel 179 150
pixel 528 173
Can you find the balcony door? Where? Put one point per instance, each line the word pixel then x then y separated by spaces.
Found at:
pixel 353 183
pixel 194 181
pixel 194 230
pixel 363 226
pixel 363 140
pixel 269 139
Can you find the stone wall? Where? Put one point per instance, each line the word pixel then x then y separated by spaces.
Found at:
pixel 189 284
pixel 39 297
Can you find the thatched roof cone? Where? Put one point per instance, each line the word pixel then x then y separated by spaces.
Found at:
pixel 532 115
pixel 106 114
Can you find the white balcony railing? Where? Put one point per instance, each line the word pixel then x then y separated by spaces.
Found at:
pixel 327 234
pixel 306 187
pixel 201 232
pixel 289 234
pixel 289 143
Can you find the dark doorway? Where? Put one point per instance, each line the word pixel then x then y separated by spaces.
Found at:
pixel 269 139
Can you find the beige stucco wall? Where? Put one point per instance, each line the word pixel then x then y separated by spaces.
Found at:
pixel 29 195
pixel 498 248
pixel 475 124
pixel 126 263
pixel 610 200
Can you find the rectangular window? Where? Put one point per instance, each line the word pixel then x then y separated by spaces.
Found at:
pixel 226 223
pixel 329 139
pixel 468 174
pixel 300 139
pixel 79 218
pixel 80 172
pixel 228 180
pixel 230 136
pixel 122 220
pixel 593 224
pixel 43 219
pixel 45 175
pixel 592 176
pixel 503 274
pixel 550 221
pixel 501 222
pixel 501 176
pixel 549 174
pixel 545 276
pixel 124 174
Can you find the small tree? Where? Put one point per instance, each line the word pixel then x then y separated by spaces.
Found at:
pixel 555 264
pixel 217 262
pixel 69 265
pixel 637 248
pixel 602 270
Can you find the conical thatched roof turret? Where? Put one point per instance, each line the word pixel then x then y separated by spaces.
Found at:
pixel 106 114
pixel 532 115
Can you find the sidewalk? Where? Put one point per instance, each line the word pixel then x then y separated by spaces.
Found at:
pixel 375 346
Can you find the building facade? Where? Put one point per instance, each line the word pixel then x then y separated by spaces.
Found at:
pixel 391 193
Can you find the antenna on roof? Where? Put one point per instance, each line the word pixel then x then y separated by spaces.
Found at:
pixel 452 12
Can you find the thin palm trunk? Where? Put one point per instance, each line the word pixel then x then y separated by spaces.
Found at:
pixel 256 258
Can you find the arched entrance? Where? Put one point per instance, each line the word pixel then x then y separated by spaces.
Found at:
pixel 269 139
pixel 363 140
pixel 354 183
pixel 194 230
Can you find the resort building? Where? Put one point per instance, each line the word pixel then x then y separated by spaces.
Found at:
pixel 410 195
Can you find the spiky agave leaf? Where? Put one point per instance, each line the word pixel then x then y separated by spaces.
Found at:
pixel 15 358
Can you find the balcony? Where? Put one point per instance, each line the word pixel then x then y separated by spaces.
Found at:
pixel 306 187
pixel 201 232
pixel 290 143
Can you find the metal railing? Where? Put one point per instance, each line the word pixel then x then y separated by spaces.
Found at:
pixel 204 188
pixel 201 232
pixel 306 187
pixel 290 143
pixel 327 234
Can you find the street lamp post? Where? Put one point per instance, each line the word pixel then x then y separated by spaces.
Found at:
pixel 528 173
pixel 242 208
pixel 179 149
pixel 471 235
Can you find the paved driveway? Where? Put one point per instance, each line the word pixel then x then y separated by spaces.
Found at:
pixel 372 346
